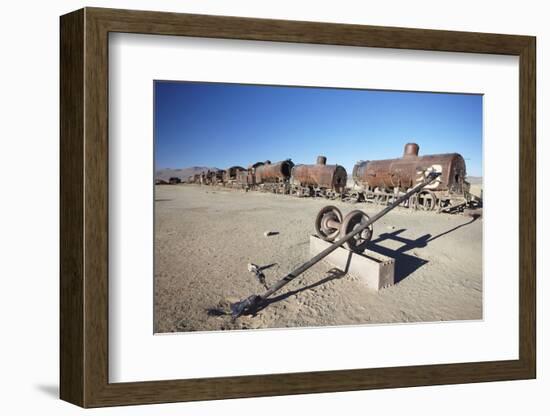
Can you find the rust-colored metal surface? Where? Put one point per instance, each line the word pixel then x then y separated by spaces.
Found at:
pixel 273 172
pixel 247 178
pixel 411 150
pixel 403 172
pixel 231 173
pixel 255 165
pixel 320 175
pixel 216 176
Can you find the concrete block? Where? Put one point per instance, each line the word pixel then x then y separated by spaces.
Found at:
pixel 375 270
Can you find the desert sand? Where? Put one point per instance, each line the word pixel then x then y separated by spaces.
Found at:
pixel 205 237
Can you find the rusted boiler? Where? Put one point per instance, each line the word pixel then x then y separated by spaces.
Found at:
pixel 391 176
pixel 269 172
pixel 319 179
pixel 274 177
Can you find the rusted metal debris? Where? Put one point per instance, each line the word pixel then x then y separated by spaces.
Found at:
pixel 347 234
pixel 230 175
pixel 330 224
pixel 257 270
pixel 216 177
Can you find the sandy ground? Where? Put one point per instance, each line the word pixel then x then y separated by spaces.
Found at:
pixel 205 237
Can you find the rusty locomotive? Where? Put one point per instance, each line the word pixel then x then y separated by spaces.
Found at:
pixel 319 179
pixel 384 180
pixel 377 181
pixel 274 177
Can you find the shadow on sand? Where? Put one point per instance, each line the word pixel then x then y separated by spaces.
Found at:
pixel 405 263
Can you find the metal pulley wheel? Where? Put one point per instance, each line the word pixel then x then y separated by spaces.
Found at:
pixel 327 223
pixel 353 220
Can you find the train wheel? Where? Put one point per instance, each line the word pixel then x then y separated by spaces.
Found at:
pixel 378 195
pixel 368 196
pixel 324 231
pixel 384 197
pixel 354 197
pixel 351 222
pixel 427 200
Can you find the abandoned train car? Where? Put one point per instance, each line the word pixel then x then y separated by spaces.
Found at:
pixel 384 180
pixel 274 177
pixel 319 179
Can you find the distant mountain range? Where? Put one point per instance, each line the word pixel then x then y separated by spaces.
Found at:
pixel 183 173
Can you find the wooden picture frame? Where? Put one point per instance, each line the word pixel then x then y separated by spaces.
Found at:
pixel 84 207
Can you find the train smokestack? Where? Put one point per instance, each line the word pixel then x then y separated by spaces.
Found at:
pixel 321 160
pixel 411 150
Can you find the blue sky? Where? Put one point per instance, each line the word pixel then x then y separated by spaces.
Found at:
pixel 221 125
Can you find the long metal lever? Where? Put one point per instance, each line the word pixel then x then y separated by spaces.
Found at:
pixel 252 302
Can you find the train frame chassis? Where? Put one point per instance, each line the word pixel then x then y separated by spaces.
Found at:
pixel 282 187
pixel 426 200
pixel 314 192
pixel 285 188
